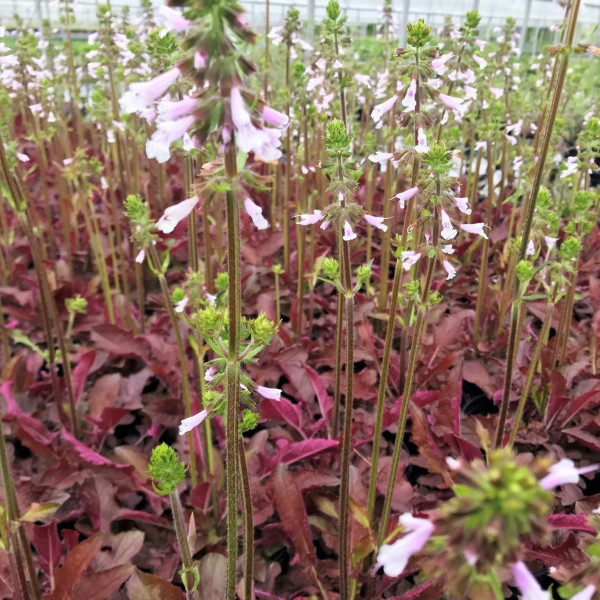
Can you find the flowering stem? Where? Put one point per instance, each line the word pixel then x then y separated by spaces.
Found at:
pixel 288 168
pixel 337 374
pixel 344 550
pixel 186 556
pixel 513 339
pixel 408 385
pixel 185 383
pixel 248 523
pixel 533 365
pixel 233 381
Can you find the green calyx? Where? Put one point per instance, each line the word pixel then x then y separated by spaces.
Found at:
pixel 165 469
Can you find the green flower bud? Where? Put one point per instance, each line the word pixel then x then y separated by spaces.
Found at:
pixel 473 19
pixel 331 267
pixel 178 295
pixel 418 34
pixel 261 330
pixel 136 210
pixel 278 270
pixel 222 282
pixel 77 304
pixel 337 138
pixel 333 10
pixel 411 289
pixel 435 298
pixel 525 271
pixel 439 159
pixel 583 200
pixel 544 200
pixel 570 248
pixel 363 274
pixel 249 421
pixel 210 320
pixel 165 469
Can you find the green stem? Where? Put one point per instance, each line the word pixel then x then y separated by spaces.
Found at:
pixel 248 524
pixel 233 386
pixel 186 556
pixel 514 334
pixel 408 385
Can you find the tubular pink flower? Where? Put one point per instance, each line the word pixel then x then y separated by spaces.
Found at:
pixel 450 101
pixel 530 248
pixel 263 142
pixel 527 583
pixel 363 79
pixel 141 94
pixel 210 374
pixel 448 232
pixel 449 269
pixel 324 225
pixel 167 132
pixel 463 205
pixel 480 61
pixel 376 222
pixel 409 101
pixel 23 157
pixel 409 258
pixel 308 219
pixel 585 594
pixel 422 145
pixel 275 118
pixel 270 393
pixel 200 60
pixel 475 228
pixel 180 306
pixel 140 256
pixel 564 471
pixel 172 19
pixel 550 241
pixel 314 83
pixel 394 557
pixel 439 64
pixel 174 214
pixel 406 195
pixel 380 157
pixel 170 111
pixel 192 422
pixel 382 108
pixel 447 249
pixel 348 233
pixel 255 213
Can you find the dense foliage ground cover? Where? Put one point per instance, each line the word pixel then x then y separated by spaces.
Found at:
pixel 298 320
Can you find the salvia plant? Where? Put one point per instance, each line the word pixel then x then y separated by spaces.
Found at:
pixel 299 314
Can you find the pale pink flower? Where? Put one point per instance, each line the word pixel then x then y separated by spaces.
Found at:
pixel 192 422
pixel 180 306
pixel 585 594
pixel 140 256
pixel 406 195
pixel 439 64
pixel 308 219
pixel 422 145
pixel 337 64
pixel 167 132
pixel 564 471
pixel 527 583
pixel 210 374
pixel 314 82
pixel 380 157
pixel 23 157
pixel 447 249
pixel 170 111
pixel 480 61
pixel 263 142
pixel 324 225
pixel 348 232
pixel 321 64
pixel 530 248
pixel 463 205
pixel 452 463
pixel 449 269
pixel 175 213
pixel 381 109
pixel 476 228
pixel 376 222
pixel 363 79
pixel 448 232
pixel 172 19
pixel 409 258
pixel 394 557
pixel 187 143
pixel 141 94
pixel 255 213
pixel 550 241
pixel 497 92
pixel 409 101
pixel 275 118
pixel 450 101
pixel 200 60
pixel 270 393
